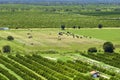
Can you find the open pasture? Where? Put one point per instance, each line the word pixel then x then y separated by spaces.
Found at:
pixel 43 39
pixel 106 34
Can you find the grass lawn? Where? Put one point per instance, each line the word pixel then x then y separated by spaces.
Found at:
pixel 44 39
pixel 105 34
pixel 102 34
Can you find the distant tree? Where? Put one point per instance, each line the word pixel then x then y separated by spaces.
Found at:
pixel 30 37
pixel 10 38
pixel 28 34
pixel 117 9
pixel 100 26
pixel 108 47
pixel 78 27
pixel 66 9
pixel 16 27
pixel 54 9
pixel 6 49
pixel 63 27
pixel 92 50
pixel 74 27
pixel 97 9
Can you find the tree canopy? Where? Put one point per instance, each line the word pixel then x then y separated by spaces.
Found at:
pixel 108 47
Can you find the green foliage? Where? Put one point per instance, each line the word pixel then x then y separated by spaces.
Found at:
pixel 6 49
pixel 10 38
pixel 8 74
pixel 62 27
pixel 107 59
pixel 18 69
pixel 92 50
pixel 100 26
pixel 2 77
pixel 48 69
pixel 108 47
pixel 114 78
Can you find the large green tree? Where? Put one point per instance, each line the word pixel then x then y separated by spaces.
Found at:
pixel 6 49
pixel 108 47
pixel 63 27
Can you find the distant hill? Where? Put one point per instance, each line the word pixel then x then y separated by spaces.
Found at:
pixel 79 1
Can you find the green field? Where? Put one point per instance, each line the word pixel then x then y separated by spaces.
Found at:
pixel 107 34
pixel 47 39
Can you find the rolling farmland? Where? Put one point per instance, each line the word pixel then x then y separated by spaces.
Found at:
pixel 42 61
pixel 36 67
pixel 42 50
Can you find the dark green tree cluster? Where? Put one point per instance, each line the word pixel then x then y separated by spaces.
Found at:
pixel 92 50
pixel 6 49
pixel 10 38
pixel 62 27
pixel 108 47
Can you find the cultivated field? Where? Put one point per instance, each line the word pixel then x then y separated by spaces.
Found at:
pixel 63 56
pixel 31 16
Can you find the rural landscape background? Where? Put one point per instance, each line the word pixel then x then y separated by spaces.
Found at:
pixel 59 40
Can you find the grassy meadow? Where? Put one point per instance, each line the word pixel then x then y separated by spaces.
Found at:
pixel 48 39
pixel 106 34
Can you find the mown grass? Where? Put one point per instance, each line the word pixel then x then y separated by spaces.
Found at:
pixel 102 34
pixel 46 39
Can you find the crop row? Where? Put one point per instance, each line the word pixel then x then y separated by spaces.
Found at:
pixel 8 74
pixel 18 69
pixel 111 59
pixel 36 67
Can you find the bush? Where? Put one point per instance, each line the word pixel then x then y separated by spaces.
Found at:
pixel 62 27
pixel 6 49
pixel 78 27
pixel 108 47
pixel 74 27
pixel 100 26
pixel 10 38
pixel 92 50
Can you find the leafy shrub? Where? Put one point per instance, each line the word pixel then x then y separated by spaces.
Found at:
pixel 92 50
pixel 63 27
pixel 10 38
pixel 100 26
pixel 6 49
